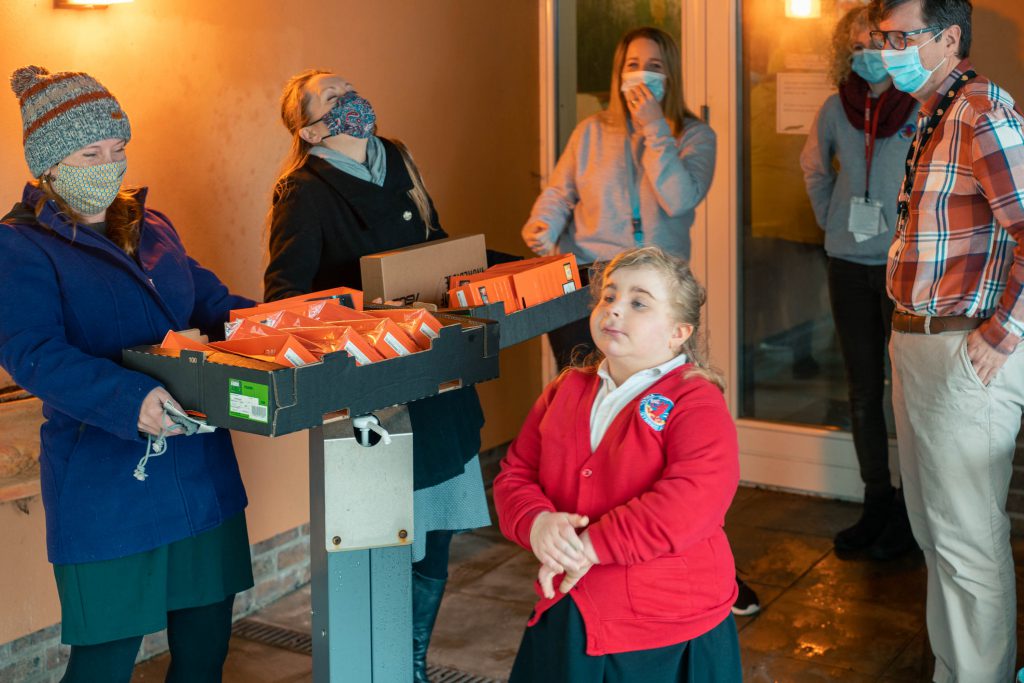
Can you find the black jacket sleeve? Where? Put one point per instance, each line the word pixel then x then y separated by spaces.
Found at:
pixel 296 241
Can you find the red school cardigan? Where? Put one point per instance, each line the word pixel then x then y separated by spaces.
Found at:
pixel 656 490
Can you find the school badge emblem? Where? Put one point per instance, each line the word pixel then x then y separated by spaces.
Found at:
pixel 654 410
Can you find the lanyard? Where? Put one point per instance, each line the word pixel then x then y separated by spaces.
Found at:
pixel 870 136
pixel 924 135
pixel 634 194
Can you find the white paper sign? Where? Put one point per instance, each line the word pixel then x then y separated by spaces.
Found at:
pixel 799 96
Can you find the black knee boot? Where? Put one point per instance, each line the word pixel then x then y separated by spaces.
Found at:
pixel 896 539
pixel 426 601
pixel 873 520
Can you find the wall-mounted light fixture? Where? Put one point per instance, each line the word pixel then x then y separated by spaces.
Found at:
pixel 86 4
pixel 803 9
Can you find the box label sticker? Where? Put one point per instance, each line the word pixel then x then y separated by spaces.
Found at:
pixel 569 287
pixel 354 351
pixel 461 296
pixel 293 358
pixel 390 340
pixel 425 329
pixel 248 400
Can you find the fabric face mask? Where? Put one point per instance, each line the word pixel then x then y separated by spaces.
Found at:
pixel 654 81
pixel 352 115
pixel 89 190
pixel 905 67
pixel 868 65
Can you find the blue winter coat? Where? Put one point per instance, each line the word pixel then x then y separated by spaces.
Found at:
pixel 70 301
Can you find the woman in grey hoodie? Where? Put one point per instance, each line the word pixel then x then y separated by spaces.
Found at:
pixel 867 127
pixel 629 176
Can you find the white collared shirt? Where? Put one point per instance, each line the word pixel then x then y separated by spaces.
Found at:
pixel 611 399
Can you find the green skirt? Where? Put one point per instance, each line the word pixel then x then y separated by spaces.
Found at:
pixel 131 596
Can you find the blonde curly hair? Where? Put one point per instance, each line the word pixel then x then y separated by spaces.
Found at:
pixel 854 21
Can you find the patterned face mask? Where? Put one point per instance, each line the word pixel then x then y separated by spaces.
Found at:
pixel 352 115
pixel 89 190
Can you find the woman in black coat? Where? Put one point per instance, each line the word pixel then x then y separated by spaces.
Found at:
pixel 344 193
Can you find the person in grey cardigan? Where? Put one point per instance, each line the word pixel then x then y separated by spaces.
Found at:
pixel 867 127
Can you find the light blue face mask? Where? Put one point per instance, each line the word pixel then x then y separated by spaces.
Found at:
pixel 654 81
pixel 868 65
pixel 905 67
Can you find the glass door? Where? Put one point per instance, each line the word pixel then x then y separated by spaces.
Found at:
pixel 766 64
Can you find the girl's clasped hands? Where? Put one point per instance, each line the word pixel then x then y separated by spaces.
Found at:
pixel 561 550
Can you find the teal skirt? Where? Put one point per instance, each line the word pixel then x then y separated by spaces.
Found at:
pixel 131 596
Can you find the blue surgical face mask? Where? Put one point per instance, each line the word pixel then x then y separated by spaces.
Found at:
pixel 868 65
pixel 905 67
pixel 654 81
pixel 352 114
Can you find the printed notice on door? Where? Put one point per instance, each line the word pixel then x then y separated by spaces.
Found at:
pixel 799 96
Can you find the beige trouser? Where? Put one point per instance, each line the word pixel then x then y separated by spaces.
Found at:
pixel 956 443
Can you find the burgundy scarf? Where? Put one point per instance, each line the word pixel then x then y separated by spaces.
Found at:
pixel 893 106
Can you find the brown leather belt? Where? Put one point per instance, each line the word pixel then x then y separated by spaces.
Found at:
pixel 933 324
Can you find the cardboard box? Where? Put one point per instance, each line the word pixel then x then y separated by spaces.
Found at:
pixel 420 272
pixel 262 398
pixel 534 321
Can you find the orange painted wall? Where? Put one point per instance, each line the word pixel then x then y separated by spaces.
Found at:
pixel 456 80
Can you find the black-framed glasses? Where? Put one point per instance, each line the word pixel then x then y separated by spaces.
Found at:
pixel 897 39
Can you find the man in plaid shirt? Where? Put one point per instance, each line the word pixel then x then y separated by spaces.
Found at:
pixel 956 274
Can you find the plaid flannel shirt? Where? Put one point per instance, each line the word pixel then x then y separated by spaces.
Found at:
pixel 958 253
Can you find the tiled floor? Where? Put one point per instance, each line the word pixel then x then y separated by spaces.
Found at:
pixel 822 619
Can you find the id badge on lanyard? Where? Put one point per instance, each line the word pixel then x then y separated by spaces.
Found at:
pixel 866 219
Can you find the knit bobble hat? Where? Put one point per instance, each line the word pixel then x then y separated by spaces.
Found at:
pixel 62 113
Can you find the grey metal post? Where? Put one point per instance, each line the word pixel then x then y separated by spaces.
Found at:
pixel 360 552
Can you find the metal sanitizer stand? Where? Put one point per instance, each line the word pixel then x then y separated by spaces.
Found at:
pixel 360 537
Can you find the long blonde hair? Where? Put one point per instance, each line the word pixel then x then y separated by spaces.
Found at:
pixel 688 298
pixel 674 104
pixel 295 115
pixel 123 217
pixel 840 53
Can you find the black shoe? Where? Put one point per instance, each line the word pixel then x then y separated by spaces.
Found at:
pixel 746 601
pixel 897 539
pixel 873 519
pixel 426 601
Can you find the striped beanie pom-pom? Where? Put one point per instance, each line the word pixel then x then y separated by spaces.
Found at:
pixel 62 113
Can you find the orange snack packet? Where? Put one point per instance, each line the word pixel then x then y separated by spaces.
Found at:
pixel 385 335
pixel 283 349
pixel 339 338
pixel 419 324
pixel 177 341
pixel 294 301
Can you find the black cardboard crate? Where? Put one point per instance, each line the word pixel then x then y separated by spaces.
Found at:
pixel 464 353
pixel 534 321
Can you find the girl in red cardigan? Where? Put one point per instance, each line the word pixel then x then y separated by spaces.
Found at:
pixel 619 482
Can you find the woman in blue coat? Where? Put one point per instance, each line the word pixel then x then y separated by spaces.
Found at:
pixel 138 543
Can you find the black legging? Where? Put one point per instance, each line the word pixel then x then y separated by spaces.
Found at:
pixel 434 564
pixel 198 639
